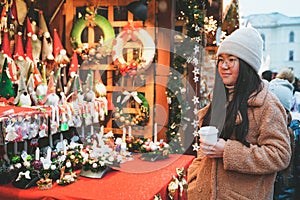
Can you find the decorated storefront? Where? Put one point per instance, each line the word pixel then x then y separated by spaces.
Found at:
pixel 97 97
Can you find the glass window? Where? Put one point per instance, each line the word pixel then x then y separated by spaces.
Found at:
pixel 291 55
pixel 292 36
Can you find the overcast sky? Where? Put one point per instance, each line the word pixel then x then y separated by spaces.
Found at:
pixel 290 8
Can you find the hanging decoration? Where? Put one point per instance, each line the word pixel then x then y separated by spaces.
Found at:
pixel 92 21
pixel 187 56
pixel 137 114
pixel 135 65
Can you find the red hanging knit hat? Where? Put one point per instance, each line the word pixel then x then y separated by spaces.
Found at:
pixel 57 45
pixel 3 16
pixel 29 48
pixel 38 79
pixel 14 11
pixel 19 50
pixel 73 66
pixel 29 26
pixel 5 45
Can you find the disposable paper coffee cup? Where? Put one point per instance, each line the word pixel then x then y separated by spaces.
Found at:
pixel 209 134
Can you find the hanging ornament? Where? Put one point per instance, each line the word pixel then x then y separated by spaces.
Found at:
pixel 142 63
pixel 132 109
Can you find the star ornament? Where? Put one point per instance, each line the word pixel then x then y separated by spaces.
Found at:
pixel 196 79
pixel 196 133
pixel 195 100
pixel 196 147
pixel 196 71
pixel 195 123
pixel 195 111
pixel 195 61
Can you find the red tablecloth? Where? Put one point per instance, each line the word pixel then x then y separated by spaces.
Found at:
pixel 137 180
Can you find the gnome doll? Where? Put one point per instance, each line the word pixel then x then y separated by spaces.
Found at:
pixel 12 68
pixel 36 48
pixel 41 86
pixel 19 57
pixel 23 97
pixel 47 42
pixel 59 52
pixel 52 100
pixel 47 47
pixel 6 84
pixel 31 90
pixel 74 66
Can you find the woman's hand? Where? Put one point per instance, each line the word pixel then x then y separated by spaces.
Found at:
pixel 213 151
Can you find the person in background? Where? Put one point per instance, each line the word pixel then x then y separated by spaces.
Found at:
pixel 284 187
pixel 286 74
pixel 267 75
pixel 254 142
pixel 296 96
pixel 282 87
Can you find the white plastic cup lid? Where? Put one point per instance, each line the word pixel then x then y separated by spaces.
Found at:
pixel 208 130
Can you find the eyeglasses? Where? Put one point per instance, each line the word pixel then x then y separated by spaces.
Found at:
pixel 229 63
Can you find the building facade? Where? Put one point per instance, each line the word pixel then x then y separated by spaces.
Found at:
pixel 281 35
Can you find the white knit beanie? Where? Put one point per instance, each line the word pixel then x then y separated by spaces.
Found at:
pixel 283 90
pixel 246 44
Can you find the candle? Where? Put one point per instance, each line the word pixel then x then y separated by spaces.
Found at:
pixel 25 145
pixel 155 132
pixel 102 129
pixel 92 129
pixel 61 138
pixel 37 153
pixel 82 131
pixel 65 147
pixel 15 148
pixel 50 140
pixel 124 134
pixel 129 131
pixel 123 146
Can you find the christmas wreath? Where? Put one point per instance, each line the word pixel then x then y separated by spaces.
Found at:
pixel 137 103
pixel 135 65
pixel 91 20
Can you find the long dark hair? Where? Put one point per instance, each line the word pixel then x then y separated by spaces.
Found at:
pixel 222 113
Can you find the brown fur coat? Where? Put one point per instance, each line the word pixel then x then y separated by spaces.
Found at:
pixel 246 172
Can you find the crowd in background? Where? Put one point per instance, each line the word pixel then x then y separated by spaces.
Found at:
pixel 286 86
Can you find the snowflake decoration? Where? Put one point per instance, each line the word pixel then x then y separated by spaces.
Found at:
pixel 195 100
pixel 196 79
pixel 197 28
pixel 195 61
pixel 195 133
pixel 195 123
pixel 196 49
pixel 196 71
pixel 196 147
pixel 196 111
pixel 210 25
pixel 198 39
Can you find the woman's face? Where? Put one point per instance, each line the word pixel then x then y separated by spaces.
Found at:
pixel 228 67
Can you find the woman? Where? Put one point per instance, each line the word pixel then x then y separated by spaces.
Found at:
pixel 254 142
